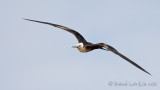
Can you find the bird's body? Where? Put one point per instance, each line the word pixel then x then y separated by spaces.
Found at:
pixel 84 46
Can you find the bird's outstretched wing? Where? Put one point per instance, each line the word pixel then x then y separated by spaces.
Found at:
pixel 110 48
pixel 79 37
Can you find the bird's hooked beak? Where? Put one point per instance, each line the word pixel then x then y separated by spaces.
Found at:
pixel 75 46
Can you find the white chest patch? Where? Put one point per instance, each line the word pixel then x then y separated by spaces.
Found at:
pixel 81 48
pixel 80 45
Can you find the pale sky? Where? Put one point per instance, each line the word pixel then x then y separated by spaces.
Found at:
pixel 35 56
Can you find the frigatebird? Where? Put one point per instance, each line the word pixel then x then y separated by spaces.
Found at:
pixel 84 46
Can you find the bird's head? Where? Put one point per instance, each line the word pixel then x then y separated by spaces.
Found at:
pixel 79 45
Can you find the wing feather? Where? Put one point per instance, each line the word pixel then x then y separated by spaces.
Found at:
pixel 110 48
pixel 79 37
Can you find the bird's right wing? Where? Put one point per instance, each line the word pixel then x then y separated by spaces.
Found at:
pixel 79 37
pixel 110 48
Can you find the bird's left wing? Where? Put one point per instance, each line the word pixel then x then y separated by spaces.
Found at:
pixel 79 37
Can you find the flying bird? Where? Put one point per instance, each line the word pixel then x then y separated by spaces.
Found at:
pixel 85 46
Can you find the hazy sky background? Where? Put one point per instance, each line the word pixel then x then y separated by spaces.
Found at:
pixel 35 56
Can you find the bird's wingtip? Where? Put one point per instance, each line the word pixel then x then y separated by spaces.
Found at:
pixel 150 74
pixel 25 19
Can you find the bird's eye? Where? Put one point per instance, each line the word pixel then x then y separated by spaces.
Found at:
pixel 79 45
